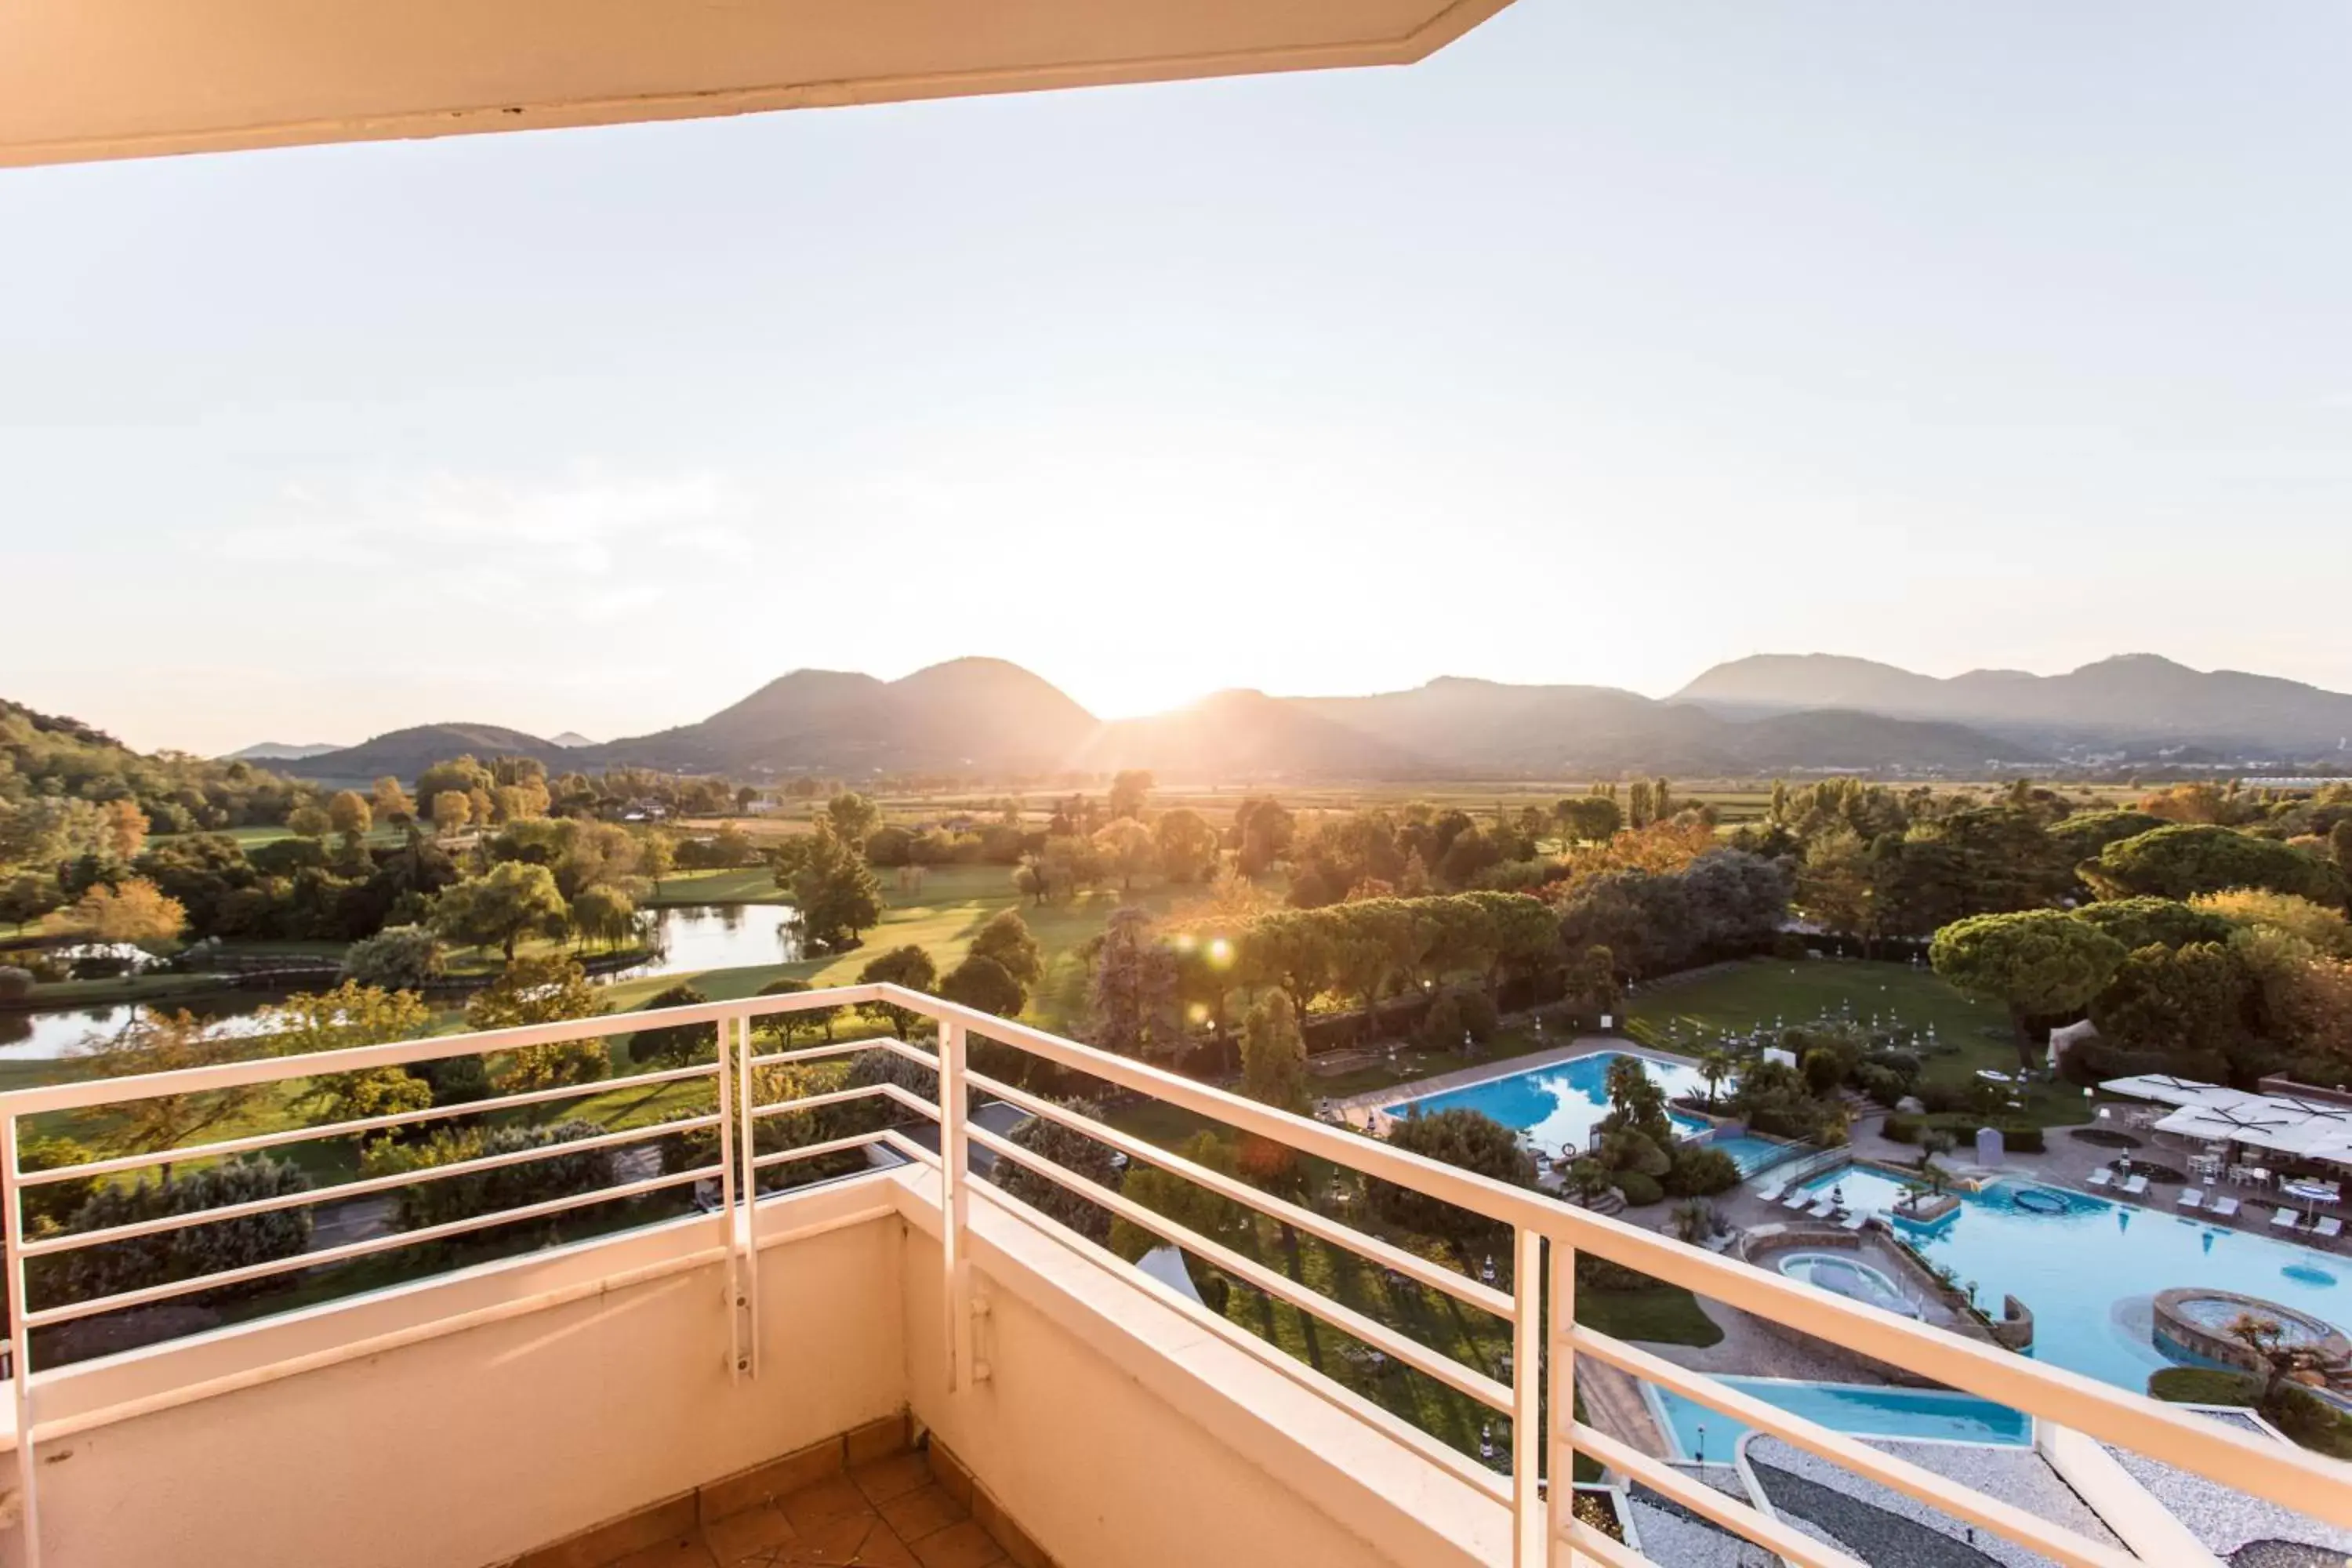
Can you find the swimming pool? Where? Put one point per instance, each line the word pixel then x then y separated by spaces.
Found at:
pixel 1560 1103
pixel 1913 1413
pixel 1843 1273
pixel 2090 1273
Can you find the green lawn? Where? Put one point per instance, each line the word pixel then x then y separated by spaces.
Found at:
pixel 1976 1034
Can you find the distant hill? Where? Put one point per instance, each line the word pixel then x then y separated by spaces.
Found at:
pixel 1764 715
pixel 278 752
pixel 968 715
pixel 1456 725
pixel 2133 700
pixel 570 739
pixel 405 754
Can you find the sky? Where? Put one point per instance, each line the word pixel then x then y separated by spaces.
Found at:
pixel 1615 340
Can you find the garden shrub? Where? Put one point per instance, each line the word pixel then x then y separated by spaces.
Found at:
pixel 1458 1010
pixel 1824 1070
pixel 1626 1149
pixel 1882 1084
pixel 1700 1171
pixel 171 1255
pixel 16 983
pixel 1638 1189
pixel 1902 1129
pixel 431 1203
pixel 1071 1150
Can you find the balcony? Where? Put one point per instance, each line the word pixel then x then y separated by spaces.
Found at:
pixel 689 1360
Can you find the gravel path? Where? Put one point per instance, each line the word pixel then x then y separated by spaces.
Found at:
pixel 1883 1526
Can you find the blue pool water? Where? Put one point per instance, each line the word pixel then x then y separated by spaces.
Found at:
pixel 1752 1154
pixel 2091 1271
pixel 1866 1412
pixel 1557 1104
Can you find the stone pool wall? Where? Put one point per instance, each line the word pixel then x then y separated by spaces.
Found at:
pixel 1944 1306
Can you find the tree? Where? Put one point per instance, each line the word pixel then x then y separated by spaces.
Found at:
pixel 2163 922
pixel 541 991
pixel 451 810
pixel 1006 940
pixel 605 913
pixel 2264 1339
pixel 1262 834
pixel 390 802
pixel 134 911
pixel 1836 884
pixel 2326 929
pixel 351 1016
pixel 1188 1204
pixel 909 966
pixel 2339 845
pixel 674 1045
pixel 349 815
pixel 122 830
pixel 982 983
pixel 188 1251
pixel 2036 962
pixel 309 821
pixel 501 907
pixel 1072 1151
pixel 397 958
pixel 787 1023
pixel 1636 1103
pixel 1714 1067
pixel 1187 844
pixel 1132 1003
pixel 156 1042
pixel 25 899
pixel 834 891
pixel 2187 858
pixel 1273 1054
pixel 1128 789
pixel 1128 851
pixel 852 816
pixel 2185 1002
pixel 1469 1139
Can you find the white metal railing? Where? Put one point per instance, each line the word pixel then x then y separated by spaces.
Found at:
pixel 1539 1397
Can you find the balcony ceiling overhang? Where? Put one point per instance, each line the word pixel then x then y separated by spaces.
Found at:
pixel 85 79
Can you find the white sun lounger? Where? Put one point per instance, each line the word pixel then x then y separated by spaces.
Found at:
pixel 2102 1177
pixel 1853 1222
pixel 2135 1187
pixel 2224 1208
pixel 2192 1197
pixel 1797 1200
pixel 1822 1210
pixel 2328 1227
pixel 1772 1194
pixel 2284 1219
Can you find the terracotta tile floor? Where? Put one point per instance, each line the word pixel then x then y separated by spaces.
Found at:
pixel 888 1514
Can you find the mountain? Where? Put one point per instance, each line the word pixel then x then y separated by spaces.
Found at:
pixel 968 715
pixel 405 754
pixel 570 739
pixel 1461 726
pixel 2132 701
pixel 280 752
pixel 1247 735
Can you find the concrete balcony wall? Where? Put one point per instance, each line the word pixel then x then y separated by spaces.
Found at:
pixel 466 1448
pixel 1118 1430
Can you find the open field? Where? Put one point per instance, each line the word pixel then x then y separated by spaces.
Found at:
pixel 1682 1016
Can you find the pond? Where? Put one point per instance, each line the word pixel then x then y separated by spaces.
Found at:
pixel 686 939
pixel 695 937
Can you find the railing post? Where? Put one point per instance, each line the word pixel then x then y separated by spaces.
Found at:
pixel 745 1210
pixel 1527 1515
pixel 1559 1456
pixel 955 1151
pixel 20 1346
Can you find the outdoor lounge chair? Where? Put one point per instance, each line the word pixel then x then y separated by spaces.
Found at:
pixel 1797 1200
pixel 2284 1219
pixel 2135 1187
pixel 1772 1194
pixel 1853 1222
pixel 2191 1198
pixel 2327 1227
pixel 2224 1208
pixel 1822 1210
pixel 2102 1177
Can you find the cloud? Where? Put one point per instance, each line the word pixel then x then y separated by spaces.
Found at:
pixel 588 546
